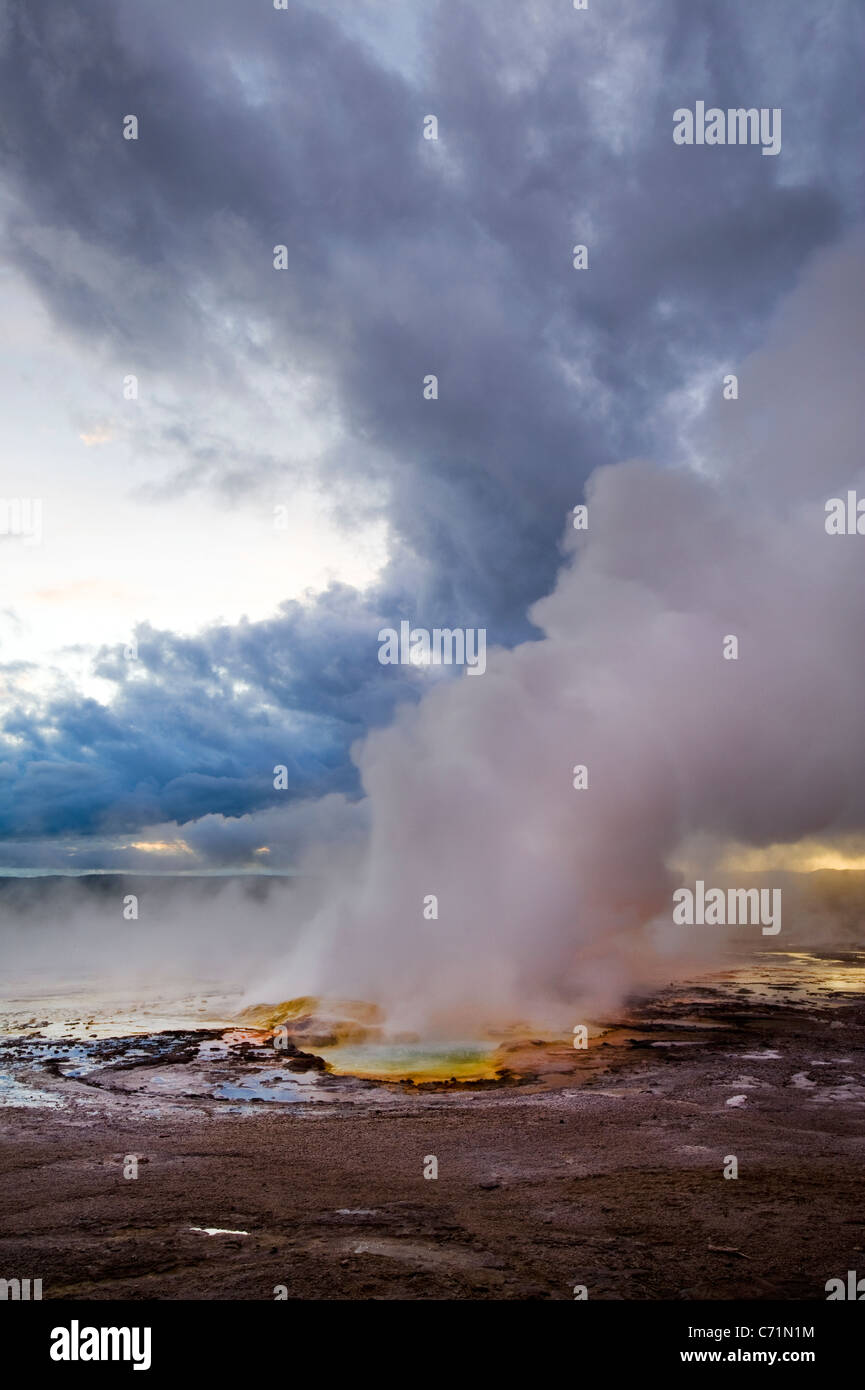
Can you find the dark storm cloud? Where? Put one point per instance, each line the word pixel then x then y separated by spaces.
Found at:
pixel 199 724
pixel 405 257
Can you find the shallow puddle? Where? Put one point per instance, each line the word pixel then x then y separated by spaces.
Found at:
pixel 462 1061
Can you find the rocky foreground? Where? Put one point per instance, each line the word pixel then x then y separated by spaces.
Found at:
pixel 264 1174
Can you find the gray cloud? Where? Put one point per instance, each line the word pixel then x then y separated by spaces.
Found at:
pixel 405 257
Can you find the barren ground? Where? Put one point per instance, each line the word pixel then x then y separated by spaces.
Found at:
pixel 602 1168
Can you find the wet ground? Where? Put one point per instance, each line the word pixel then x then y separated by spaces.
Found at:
pixel 264 1163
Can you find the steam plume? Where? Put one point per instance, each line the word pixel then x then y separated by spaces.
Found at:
pixel 557 900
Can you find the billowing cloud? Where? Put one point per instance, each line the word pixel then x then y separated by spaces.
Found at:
pixel 405 257
pixel 550 894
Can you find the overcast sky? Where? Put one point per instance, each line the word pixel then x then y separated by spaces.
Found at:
pixel 301 389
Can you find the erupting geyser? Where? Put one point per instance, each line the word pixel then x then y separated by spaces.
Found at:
pixel 552 900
